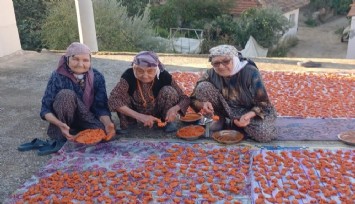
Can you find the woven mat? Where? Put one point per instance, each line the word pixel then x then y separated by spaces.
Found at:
pixel 154 171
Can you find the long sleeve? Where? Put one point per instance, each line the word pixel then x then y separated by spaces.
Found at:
pixel 52 89
pixel 100 104
pixel 184 100
pixel 261 99
pixel 193 99
pixel 119 96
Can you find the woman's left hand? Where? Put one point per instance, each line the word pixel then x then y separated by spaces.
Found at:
pixel 245 119
pixel 172 113
pixel 110 131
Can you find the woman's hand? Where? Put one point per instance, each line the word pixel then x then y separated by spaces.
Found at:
pixel 207 107
pixel 171 114
pixel 148 120
pixel 64 128
pixel 245 119
pixel 110 131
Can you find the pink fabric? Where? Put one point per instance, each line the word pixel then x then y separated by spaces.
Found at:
pixel 77 48
pixel 88 96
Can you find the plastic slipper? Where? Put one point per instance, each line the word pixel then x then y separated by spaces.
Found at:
pixel 50 148
pixel 34 144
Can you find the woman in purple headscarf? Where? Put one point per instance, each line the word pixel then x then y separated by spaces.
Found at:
pixel 75 98
pixel 147 93
pixel 233 89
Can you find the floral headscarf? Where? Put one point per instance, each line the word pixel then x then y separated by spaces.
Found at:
pixel 230 51
pixel 149 59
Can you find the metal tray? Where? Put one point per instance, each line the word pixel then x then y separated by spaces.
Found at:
pixel 347 137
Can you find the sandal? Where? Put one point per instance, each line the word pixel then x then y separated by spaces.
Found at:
pixel 34 144
pixel 51 148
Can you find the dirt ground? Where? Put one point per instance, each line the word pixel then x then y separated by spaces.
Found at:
pixel 321 41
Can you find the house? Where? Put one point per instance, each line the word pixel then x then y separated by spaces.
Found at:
pixel 290 9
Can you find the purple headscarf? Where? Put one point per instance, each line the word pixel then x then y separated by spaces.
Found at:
pixel 148 59
pixel 77 48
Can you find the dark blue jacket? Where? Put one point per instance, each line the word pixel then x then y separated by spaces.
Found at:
pixel 58 82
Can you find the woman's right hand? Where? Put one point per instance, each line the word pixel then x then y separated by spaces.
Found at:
pixel 64 128
pixel 148 120
pixel 207 107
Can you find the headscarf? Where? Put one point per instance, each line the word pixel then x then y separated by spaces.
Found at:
pixel 230 51
pixel 77 48
pixel 148 59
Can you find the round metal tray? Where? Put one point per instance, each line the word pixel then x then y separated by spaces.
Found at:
pixel 228 136
pixel 199 130
pixel 191 117
pixel 347 137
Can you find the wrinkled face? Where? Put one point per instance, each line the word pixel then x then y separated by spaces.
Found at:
pixel 223 65
pixel 79 64
pixel 145 74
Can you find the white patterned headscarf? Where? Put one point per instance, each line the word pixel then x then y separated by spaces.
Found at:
pixel 230 51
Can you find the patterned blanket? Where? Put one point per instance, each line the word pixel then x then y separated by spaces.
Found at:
pixel 144 171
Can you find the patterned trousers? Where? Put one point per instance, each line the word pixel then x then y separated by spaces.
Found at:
pixel 261 130
pixel 69 109
pixel 167 98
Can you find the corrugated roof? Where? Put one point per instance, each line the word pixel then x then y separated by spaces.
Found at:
pixel 352 10
pixel 285 5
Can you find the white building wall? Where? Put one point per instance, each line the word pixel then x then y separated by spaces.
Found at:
pixel 351 44
pixel 292 16
pixel 9 37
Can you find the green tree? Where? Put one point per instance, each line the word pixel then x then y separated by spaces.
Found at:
pixel 183 13
pixel 266 25
pixel 115 30
pixel 29 16
pixel 134 7
pixel 60 28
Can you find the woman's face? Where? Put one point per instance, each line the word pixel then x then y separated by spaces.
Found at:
pixel 79 64
pixel 223 65
pixel 145 74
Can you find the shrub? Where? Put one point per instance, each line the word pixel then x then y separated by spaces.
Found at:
pixel 29 22
pixel 266 25
pixel 115 30
pixel 60 28
pixel 282 48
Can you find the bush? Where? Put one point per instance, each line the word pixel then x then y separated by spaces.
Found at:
pixel 115 30
pixel 60 28
pixel 29 22
pixel 266 25
pixel 282 48
pixel 311 22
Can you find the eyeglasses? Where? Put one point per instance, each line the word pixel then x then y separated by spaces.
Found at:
pixel 225 62
pixel 141 71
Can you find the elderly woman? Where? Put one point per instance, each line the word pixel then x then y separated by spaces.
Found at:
pixel 147 93
pixel 75 98
pixel 234 89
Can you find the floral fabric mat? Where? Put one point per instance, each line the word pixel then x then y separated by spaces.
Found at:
pixel 143 171
pixel 303 176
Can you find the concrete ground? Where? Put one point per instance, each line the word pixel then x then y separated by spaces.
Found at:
pixel 23 78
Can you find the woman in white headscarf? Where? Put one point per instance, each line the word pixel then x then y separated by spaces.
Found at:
pixel 234 89
pixel 147 93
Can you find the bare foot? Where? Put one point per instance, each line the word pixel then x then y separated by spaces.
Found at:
pixel 111 131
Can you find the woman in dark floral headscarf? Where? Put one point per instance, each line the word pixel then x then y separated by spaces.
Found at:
pixel 75 98
pixel 147 93
pixel 234 89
